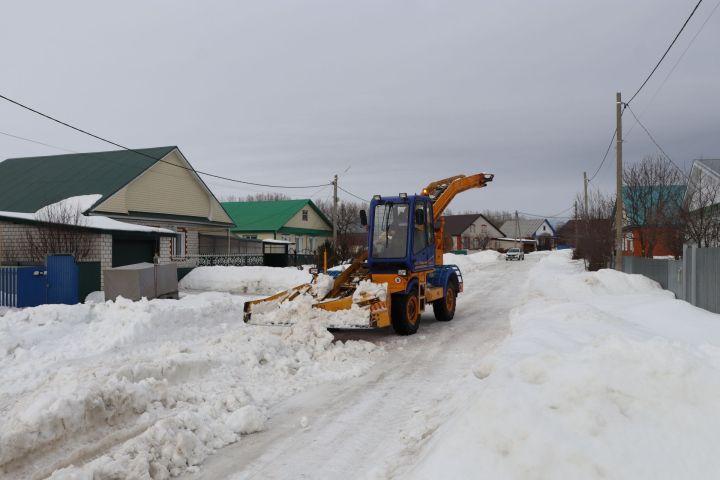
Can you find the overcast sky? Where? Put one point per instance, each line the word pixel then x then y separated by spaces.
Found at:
pixel 401 92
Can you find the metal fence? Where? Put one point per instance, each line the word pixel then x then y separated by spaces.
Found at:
pixel 695 278
pixel 55 282
pixel 237 260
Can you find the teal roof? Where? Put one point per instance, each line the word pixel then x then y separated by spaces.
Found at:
pixel 30 183
pixel 268 216
pixel 640 199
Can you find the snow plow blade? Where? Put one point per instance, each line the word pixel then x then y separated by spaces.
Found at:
pixel 350 307
pixel 363 311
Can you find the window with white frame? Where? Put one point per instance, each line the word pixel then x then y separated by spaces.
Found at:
pixel 179 243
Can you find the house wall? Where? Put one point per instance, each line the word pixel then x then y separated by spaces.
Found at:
pixel 632 245
pixel 477 233
pixel 13 246
pixel 166 189
pixel 544 229
pixel 314 221
pixel 303 243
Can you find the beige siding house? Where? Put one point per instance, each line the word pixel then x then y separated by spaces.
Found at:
pixel 155 187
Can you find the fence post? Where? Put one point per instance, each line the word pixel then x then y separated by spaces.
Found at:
pixel 693 279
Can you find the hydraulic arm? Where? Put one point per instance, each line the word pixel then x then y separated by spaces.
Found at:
pixel 441 193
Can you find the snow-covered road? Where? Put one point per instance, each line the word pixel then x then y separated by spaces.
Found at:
pixel 374 424
pixel 546 371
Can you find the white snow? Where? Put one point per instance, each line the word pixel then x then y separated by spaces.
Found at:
pixel 242 280
pixel 473 262
pixel 80 204
pixel 149 389
pixel 605 375
pixel 546 371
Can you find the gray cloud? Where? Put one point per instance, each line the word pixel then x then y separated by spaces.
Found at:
pixel 406 92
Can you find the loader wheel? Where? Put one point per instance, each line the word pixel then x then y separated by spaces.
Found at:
pixel 444 308
pixel 405 313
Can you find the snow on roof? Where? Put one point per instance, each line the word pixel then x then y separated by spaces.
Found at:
pixel 72 208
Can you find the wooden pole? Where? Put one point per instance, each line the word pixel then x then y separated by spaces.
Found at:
pixel 618 189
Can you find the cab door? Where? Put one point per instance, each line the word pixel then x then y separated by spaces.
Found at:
pixel 423 237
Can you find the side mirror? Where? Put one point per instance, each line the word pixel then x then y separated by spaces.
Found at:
pixel 363 218
pixel 419 217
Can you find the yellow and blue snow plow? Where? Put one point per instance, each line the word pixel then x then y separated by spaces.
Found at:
pixel 400 273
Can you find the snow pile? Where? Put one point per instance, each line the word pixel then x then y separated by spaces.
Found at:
pixel 300 311
pixel 239 280
pixel 473 262
pixel 149 389
pixel 323 285
pixel 367 289
pixel 604 376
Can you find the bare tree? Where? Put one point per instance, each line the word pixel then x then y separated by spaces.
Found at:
pixel 653 202
pixel 701 219
pixel 266 197
pixel 348 214
pixel 591 230
pixel 498 217
pixel 60 232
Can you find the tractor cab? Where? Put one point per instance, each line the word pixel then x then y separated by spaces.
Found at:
pixel 401 234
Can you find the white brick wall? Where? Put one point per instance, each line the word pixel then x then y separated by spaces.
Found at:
pixel 13 244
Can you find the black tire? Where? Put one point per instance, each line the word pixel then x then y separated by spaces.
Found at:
pixel 405 312
pixel 444 308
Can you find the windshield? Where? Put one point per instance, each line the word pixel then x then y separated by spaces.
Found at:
pixel 514 250
pixel 390 230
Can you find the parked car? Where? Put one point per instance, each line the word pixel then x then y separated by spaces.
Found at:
pixel 514 254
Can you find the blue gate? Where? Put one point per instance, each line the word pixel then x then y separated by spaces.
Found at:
pixel 22 286
pixel 57 282
pixel 62 279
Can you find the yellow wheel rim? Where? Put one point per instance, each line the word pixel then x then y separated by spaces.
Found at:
pixel 450 299
pixel 411 310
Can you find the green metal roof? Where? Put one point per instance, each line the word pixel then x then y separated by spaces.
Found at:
pixel 268 216
pixel 30 183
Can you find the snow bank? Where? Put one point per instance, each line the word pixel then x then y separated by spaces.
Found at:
pixel 149 389
pixel 473 262
pixel 252 280
pixel 301 311
pixel 604 376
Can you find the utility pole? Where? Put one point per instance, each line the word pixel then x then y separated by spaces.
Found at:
pixel 585 184
pixel 576 226
pixel 618 192
pixel 517 229
pixel 335 206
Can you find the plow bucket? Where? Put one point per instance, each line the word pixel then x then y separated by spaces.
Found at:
pixel 352 301
pixel 368 307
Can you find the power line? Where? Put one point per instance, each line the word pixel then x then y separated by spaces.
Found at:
pixel 353 195
pixel 612 139
pixel 666 52
pixel 150 156
pixel 557 215
pixel 655 142
pixel 677 62
pixel 18 137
